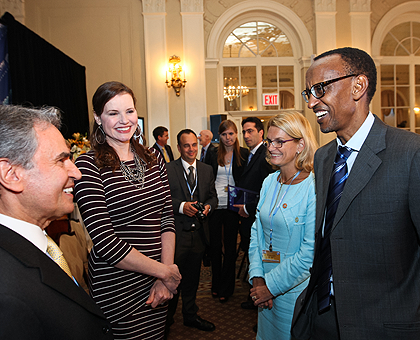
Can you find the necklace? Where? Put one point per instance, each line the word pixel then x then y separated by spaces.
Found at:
pixel 281 186
pixel 288 179
pixel 135 174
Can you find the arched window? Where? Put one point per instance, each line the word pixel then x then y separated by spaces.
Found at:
pixel 400 76
pixel 258 60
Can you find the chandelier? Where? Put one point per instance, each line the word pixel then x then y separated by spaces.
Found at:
pixel 232 92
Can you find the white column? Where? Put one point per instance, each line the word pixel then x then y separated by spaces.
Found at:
pixel 360 24
pixel 194 61
pixel 325 13
pixel 156 61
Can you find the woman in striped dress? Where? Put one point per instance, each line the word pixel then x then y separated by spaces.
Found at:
pixel 125 202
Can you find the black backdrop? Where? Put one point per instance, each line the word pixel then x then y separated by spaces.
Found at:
pixel 40 74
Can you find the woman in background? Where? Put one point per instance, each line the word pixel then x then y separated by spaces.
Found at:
pixel 228 162
pixel 125 203
pixel 283 234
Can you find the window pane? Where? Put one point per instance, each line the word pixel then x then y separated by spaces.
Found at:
pixel 231 75
pixel 231 48
pixel 249 101
pixel 417 75
pixel 387 97
pixel 403 118
pixel 403 96
pixel 389 116
pixel 269 76
pixel 286 76
pixel 388 45
pixel 249 50
pixel 402 72
pixel 404 49
pixel 287 100
pixel 417 101
pixel 248 76
pixel 401 31
pixel 232 105
pixel 267 51
pixel 387 75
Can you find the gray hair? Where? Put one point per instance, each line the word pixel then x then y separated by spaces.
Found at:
pixel 18 139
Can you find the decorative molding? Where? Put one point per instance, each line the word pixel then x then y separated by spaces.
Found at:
pixel 325 6
pixel 212 62
pixel 153 6
pixel 15 8
pixel 192 6
pixel 360 5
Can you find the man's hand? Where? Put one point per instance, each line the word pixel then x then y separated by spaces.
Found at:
pixel 241 211
pixel 189 210
pixel 206 210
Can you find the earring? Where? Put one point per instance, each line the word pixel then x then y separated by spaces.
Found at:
pixel 102 136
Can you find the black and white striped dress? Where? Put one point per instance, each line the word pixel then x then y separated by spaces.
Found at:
pixel 119 216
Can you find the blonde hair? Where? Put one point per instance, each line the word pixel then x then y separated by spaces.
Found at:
pixel 297 126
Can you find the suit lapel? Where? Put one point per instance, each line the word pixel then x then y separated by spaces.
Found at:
pixel 254 159
pixel 51 274
pixel 179 169
pixel 365 165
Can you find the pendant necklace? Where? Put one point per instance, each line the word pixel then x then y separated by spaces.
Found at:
pixel 135 174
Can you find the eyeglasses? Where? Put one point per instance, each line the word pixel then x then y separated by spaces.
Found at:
pixel 318 90
pixel 278 144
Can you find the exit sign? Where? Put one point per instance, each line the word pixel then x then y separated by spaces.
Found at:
pixel 270 99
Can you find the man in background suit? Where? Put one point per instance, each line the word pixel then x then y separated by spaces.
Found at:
pixel 38 299
pixel 207 147
pixel 161 135
pixel 256 170
pixel 370 258
pixel 188 186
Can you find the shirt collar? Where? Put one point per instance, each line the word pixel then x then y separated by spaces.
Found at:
pixel 31 232
pixel 187 165
pixel 254 150
pixel 357 140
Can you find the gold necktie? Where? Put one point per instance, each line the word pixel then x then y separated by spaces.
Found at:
pixel 165 155
pixel 57 255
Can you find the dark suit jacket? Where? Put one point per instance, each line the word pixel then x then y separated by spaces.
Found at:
pixel 210 150
pixel 39 301
pixel 179 193
pixel 236 170
pixel 254 175
pixel 168 150
pixel 375 237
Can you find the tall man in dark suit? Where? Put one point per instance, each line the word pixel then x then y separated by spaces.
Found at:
pixel 161 135
pixel 256 170
pixel 365 281
pixel 190 181
pixel 207 147
pixel 38 299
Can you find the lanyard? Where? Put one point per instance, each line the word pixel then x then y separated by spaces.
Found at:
pixel 230 167
pixel 188 184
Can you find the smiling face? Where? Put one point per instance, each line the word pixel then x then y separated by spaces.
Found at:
pixel 188 147
pixel 48 186
pixel 118 119
pixel 335 110
pixel 228 137
pixel 283 157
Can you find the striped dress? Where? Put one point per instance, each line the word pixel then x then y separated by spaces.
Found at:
pixel 119 216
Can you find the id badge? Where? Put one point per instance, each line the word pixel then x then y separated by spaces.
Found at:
pixel 226 188
pixel 271 256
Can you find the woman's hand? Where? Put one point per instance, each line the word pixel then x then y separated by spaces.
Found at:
pixel 172 278
pixel 260 294
pixel 159 294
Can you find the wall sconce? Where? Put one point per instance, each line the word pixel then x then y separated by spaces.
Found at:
pixel 175 73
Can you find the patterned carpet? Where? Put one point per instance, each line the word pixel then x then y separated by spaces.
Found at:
pixel 231 321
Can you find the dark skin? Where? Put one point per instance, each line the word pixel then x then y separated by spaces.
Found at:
pixel 345 106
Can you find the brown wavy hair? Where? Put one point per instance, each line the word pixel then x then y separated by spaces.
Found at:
pixel 221 152
pixel 105 155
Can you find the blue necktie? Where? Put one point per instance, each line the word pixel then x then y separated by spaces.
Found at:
pixel 335 189
pixel 249 157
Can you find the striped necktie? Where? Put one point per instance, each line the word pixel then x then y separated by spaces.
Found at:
pixel 335 190
pixel 57 255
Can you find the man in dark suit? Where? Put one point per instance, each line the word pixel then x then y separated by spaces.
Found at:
pixel 367 252
pixel 207 147
pixel 190 181
pixel 256 170
pixel 38 299
pixel 161 135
